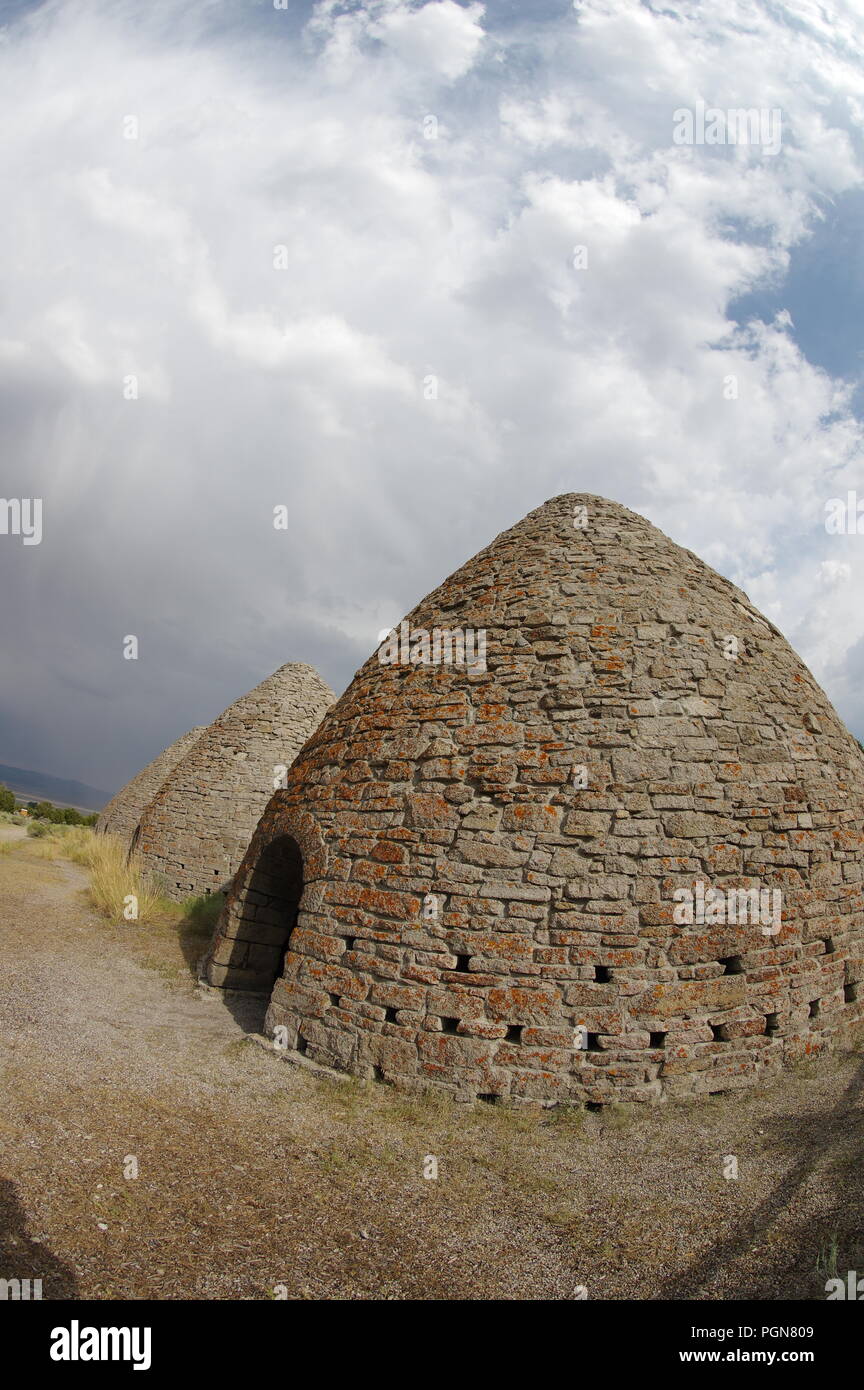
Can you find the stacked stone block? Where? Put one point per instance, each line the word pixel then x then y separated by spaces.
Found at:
pixel 490 858
pixel 123 813
pixel 196 828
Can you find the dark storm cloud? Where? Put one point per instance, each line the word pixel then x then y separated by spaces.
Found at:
pixel 323 308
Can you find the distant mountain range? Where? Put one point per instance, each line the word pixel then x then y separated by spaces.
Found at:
pixel 38 786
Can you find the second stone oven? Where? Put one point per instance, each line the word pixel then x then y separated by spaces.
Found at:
pixel 193 832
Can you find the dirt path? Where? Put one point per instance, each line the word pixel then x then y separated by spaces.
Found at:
pixel 253 1174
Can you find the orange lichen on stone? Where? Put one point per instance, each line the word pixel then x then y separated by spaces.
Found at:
pixel 558 814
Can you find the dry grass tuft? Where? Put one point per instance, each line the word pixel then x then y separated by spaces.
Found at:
pixel 63 842
pixel 428 1106
pixel 115 879
pixel 619 1114
pixel 564 1117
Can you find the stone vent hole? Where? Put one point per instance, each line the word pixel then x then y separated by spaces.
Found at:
pixel 732 965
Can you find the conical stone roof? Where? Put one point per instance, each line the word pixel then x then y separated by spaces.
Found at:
pixel 195 830
pixel 497 866
pixel 123 812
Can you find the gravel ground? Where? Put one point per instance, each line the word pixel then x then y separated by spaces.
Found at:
pixel 252 1173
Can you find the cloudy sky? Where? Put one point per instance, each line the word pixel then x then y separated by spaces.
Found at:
pixel 283 222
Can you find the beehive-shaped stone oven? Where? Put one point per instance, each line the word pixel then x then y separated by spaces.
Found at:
pixel 123 813
pixel 195 830
pixel 527 881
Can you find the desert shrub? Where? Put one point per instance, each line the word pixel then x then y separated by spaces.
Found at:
pixel 60 815
pixel 63 842
pixel 50 840
pixel 76 843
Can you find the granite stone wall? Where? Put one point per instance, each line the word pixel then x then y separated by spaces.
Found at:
pixel 480 879
pixel 123 812
pixel 194 831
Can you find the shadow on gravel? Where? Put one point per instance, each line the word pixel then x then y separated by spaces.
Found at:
pixel 23 1257
pixel 833 1143
pixel 195 932
pixel 195 928
pixel 247 1010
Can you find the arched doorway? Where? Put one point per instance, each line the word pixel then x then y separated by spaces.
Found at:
pixel 253 936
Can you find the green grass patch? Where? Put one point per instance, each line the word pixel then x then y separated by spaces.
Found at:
pixel 200 915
